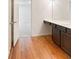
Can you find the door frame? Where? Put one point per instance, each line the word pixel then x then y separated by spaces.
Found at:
pixel 12 25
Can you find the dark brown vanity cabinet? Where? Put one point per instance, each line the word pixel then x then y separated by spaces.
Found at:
pixel 56 36
pixel 62 37
pixel 66 42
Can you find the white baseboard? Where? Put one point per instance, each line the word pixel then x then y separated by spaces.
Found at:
pixel 40 35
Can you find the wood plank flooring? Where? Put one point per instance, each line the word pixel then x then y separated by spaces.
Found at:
pixel 37 48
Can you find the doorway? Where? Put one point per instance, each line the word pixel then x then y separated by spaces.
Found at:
pixel 20 20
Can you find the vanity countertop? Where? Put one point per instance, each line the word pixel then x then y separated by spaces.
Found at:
pixel 65 23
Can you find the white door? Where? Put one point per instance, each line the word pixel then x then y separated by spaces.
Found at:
pixel 24 18
pixel 9 31
pixel 15 21
pixel 21 19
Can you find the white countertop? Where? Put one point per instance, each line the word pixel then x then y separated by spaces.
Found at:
pixel 65 23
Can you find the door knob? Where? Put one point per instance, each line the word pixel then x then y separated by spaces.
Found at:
pixel 12 22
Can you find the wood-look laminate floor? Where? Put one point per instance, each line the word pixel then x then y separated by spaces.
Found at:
pixel 37 48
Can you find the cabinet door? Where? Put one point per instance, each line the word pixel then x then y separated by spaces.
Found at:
pixel 66 42
pixel 56 36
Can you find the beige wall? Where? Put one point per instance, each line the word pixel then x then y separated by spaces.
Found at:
pixel 41 9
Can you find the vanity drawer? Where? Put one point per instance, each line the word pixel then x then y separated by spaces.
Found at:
pixel 61 28
pixel 53 25
pixel 68 31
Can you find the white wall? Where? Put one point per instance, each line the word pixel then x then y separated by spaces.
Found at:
pixel 61 10
pixel 41 9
